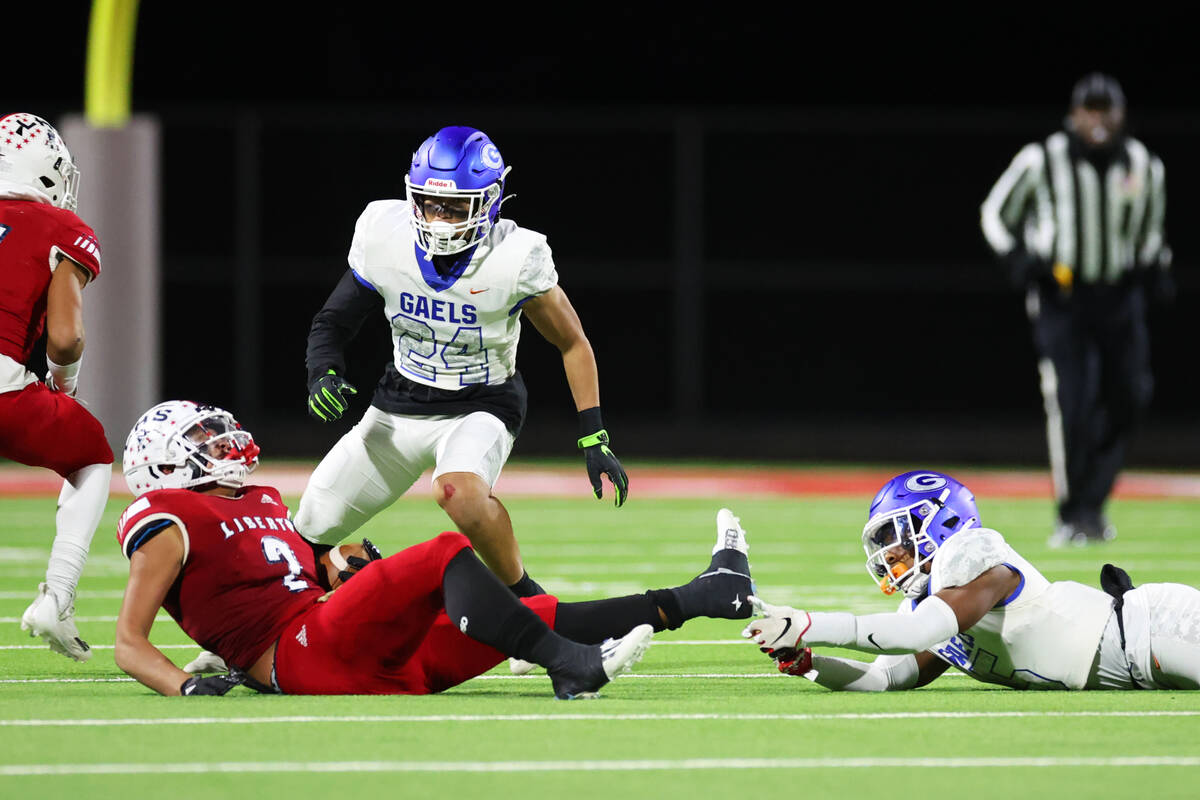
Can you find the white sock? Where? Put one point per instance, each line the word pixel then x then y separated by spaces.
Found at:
pixel 80 505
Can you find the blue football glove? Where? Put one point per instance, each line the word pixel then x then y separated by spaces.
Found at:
pixel 600 460
pixel 327 399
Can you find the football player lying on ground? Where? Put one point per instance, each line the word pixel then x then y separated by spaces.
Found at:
pixel 971 602
pixel 227 564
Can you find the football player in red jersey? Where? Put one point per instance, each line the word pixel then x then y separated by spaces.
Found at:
pixel 225 561
pixel 47 256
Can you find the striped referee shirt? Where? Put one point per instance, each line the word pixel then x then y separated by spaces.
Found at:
pixel 1101 222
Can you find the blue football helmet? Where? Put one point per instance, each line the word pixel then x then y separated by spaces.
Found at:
pixel 455 187
pixel 917 511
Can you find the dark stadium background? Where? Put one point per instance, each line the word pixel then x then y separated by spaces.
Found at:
pixel 818 289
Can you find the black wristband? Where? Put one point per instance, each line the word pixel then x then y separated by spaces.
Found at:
pixel 589 421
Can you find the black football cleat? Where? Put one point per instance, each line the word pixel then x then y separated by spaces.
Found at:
pixel 603 663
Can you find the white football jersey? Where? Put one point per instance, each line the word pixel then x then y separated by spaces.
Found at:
pixel 1045 635
pixel 451 332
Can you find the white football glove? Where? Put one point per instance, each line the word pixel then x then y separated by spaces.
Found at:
pixel 206 662
pixel 780 627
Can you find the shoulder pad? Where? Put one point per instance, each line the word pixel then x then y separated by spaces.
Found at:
pixel 965 556
pixel 152 507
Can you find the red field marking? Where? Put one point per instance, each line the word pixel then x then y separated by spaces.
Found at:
pixel 686 482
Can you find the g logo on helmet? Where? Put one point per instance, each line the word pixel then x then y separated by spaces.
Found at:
pixel 490 156
pixel 925 482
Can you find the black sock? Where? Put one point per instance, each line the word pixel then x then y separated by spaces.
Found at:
pixel 484 609
pixel 593 621
pixel 526 587
pixel 721 591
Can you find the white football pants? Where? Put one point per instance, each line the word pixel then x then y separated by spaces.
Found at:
pixel 1162 635
pixel 382 456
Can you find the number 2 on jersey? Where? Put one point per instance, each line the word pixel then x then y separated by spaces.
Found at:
pixel 276 551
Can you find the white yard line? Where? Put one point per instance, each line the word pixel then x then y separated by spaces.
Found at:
pixel 417 718
pixel 112 618
pixel 684 764
pixel 98 646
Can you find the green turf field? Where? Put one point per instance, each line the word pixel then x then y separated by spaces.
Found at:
pixel 702 715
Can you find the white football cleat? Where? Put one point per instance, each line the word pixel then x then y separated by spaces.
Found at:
pixel 619 655
pixel 519 666
pixel 730 535
pixel 583 681
pixel 55 625
pixel 206 662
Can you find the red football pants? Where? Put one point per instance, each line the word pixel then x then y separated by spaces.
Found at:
pixel 386 632
pixel 42 428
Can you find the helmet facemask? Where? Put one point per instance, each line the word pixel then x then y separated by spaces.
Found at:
pixel 182 445
pixel 452 233
pixel 70 184
pixel 219 451
pixel 904 529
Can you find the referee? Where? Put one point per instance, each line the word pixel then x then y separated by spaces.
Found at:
pixel 1078 221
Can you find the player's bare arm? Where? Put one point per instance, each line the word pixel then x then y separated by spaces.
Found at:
pixel 153 568
pixel 64 312
pixel 970 602
pixel 555 319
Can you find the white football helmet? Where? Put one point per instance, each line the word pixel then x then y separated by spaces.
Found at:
pixel 180 444
pixel 35 160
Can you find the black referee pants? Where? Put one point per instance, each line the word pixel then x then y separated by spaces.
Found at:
pixel 1094 359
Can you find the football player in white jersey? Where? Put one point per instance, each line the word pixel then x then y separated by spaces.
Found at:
pixel 971 602
pixel 453 279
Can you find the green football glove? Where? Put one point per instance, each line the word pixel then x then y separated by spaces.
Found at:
pixel 600 460
pixel 327 397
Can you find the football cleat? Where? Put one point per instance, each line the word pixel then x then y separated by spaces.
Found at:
pixel 1090 530
pixel 721 591
pixel 730 535
pixel 519 666
pixel 615 656
pixel 55 623
pixel 1067 535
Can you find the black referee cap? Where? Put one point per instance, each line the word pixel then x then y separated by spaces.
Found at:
pixel 1097 90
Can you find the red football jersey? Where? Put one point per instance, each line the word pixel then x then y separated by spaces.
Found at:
pixel 32 237
pixel 246 572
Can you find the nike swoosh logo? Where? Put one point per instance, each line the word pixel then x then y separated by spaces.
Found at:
pixel 871 639
pixel 477 291
pixel 787 625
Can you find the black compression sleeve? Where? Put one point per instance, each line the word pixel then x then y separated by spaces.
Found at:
pixel 338 321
